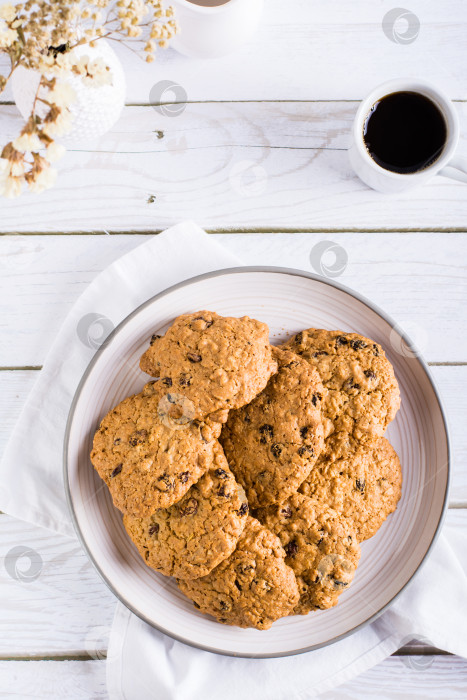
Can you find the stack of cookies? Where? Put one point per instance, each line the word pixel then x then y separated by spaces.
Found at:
pixel 252 473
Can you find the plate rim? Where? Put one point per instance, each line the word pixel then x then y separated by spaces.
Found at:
pixel 275 270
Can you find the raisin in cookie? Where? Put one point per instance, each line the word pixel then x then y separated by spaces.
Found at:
pixel 252 588
pixel 217 363
pixel 364 486
pixel 272 444
pixel 363 395
pixel 196 534
pixel 148 457
pixel 321 548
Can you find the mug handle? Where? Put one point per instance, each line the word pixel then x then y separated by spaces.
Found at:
pixel 456 169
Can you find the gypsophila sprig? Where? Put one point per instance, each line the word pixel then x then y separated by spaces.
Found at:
pixel 43 36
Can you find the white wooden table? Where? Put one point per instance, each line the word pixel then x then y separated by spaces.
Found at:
pixel 257 157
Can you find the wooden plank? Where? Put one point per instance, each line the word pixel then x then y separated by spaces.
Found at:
pixel 328 50
pixel 49 680
pixel 419 279
pixel 14 390
pixel 66 608
pixel 396 678
pixel 227 166
pixel 452 386
pixel 451 381
pixel 404 678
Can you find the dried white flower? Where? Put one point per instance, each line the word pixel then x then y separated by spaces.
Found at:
pixel 7 12
pixel 44 180
pixel 97 66
pixel 80 66
pixel 11 187
pixel 62 64
pixel 27 142
pixel 17 169
pixel 7 37
pixel 41 35
pixel 62 95
pixel 62 125
pixel 54 152
pixel 94 72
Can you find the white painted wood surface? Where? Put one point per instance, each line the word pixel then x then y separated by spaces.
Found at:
pixel 259 147
pixel 53 680
pixel 68 609
pixel 71 608
pixel 270 165
pixel 311 50
pixel 418 279
pixel 397 678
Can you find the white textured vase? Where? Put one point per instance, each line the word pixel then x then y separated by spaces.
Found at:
pixel 210 32
pixel 95 110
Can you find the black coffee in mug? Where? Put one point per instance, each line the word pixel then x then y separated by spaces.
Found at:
pixel 405 132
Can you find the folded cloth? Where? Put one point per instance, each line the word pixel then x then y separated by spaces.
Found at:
pixel 144 664
pixel 31 471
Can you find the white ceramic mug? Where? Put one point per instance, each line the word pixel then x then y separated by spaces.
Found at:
pixel 448 163
pixel 210 31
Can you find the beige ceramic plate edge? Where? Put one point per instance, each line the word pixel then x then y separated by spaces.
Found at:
pixel 287 300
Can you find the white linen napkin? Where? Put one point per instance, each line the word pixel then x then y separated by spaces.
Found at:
pixel 31 478
pixel 144 664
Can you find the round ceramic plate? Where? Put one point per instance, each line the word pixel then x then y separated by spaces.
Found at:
pixel 287 300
